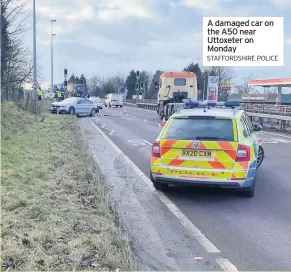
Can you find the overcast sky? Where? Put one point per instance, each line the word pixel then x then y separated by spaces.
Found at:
pixel 111 37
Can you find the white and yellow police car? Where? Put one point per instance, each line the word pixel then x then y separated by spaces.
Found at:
pixel 211 143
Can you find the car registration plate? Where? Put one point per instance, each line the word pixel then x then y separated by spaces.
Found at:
pixel 197 153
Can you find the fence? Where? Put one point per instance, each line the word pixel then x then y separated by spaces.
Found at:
pixel 26 99
pixel 12 94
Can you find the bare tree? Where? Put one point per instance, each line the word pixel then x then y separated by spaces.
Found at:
pixel 146 77
pixel 115 82
pixel 93 83
pixel 244 87
pixel 16 64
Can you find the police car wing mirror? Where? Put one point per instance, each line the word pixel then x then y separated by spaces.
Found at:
pixel 257 127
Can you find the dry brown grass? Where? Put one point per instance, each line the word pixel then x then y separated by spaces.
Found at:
pixel 56 213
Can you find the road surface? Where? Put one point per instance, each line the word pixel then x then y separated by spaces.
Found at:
pixel 254 234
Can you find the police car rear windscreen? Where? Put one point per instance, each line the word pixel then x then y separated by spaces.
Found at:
pixel 206 129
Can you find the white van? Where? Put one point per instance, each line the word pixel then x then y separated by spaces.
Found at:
pixel 113 99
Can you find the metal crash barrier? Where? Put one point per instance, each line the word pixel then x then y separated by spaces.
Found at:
pixel 264 113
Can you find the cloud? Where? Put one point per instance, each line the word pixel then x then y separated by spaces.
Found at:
pixel 109 37
pixel 202 4
pixel 281 3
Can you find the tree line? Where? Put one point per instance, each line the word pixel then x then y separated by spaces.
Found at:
pixel 100 87
pixel 16 59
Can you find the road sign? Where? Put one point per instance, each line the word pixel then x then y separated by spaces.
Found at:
pixel 34 85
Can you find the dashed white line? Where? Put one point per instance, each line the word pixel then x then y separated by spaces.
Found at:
pixel 225 264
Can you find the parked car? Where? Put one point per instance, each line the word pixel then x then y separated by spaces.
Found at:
pixel 113 99
pixel 97 101
pixel 75 105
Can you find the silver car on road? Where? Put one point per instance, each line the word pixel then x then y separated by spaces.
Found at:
pixel 75 105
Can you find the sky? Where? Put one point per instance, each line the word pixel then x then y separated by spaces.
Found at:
pixel 111 37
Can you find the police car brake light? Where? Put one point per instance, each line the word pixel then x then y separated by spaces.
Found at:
pixel 243 153
pixel 156 150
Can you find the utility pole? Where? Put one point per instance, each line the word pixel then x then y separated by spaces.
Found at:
pixel 83 86
pixel 65 81
pixel 137 85
pixel 34 58
pixel 52 56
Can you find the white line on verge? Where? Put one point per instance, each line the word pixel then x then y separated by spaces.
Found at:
pixel 197 234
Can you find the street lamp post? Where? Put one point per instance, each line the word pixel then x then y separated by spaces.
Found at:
pixel 83 86
pixel 34 56
pixel 52 55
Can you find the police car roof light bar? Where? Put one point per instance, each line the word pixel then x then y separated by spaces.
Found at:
pixel 209 103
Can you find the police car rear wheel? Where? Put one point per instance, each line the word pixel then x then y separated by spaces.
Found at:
pixel 261 155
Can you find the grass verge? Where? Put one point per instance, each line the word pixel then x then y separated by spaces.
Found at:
pixel 56 213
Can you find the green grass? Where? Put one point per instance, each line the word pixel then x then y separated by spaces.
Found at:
pixel 56 213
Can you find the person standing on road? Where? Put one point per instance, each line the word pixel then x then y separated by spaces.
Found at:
pixel 59 95
pixel 39 93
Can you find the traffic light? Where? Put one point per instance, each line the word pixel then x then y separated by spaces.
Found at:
pixel 65 72
pixel 156 86
pixel 66 84
pixel 141 85
pixel 137 74
pixel 137 86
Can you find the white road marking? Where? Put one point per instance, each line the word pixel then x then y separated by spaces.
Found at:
pixel 136 142
pixel 147 142
pixel 139 142
pixel 132 118
pixel 226 265
pixel 196 233
pixel 275 140
pixel 150 122
pixel 282 140
pixel 269 141
pixel 276 134
pixel 104 127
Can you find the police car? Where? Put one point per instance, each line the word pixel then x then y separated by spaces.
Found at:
pixel 208 143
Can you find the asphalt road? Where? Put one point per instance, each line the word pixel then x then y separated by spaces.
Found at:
pixel 254 234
